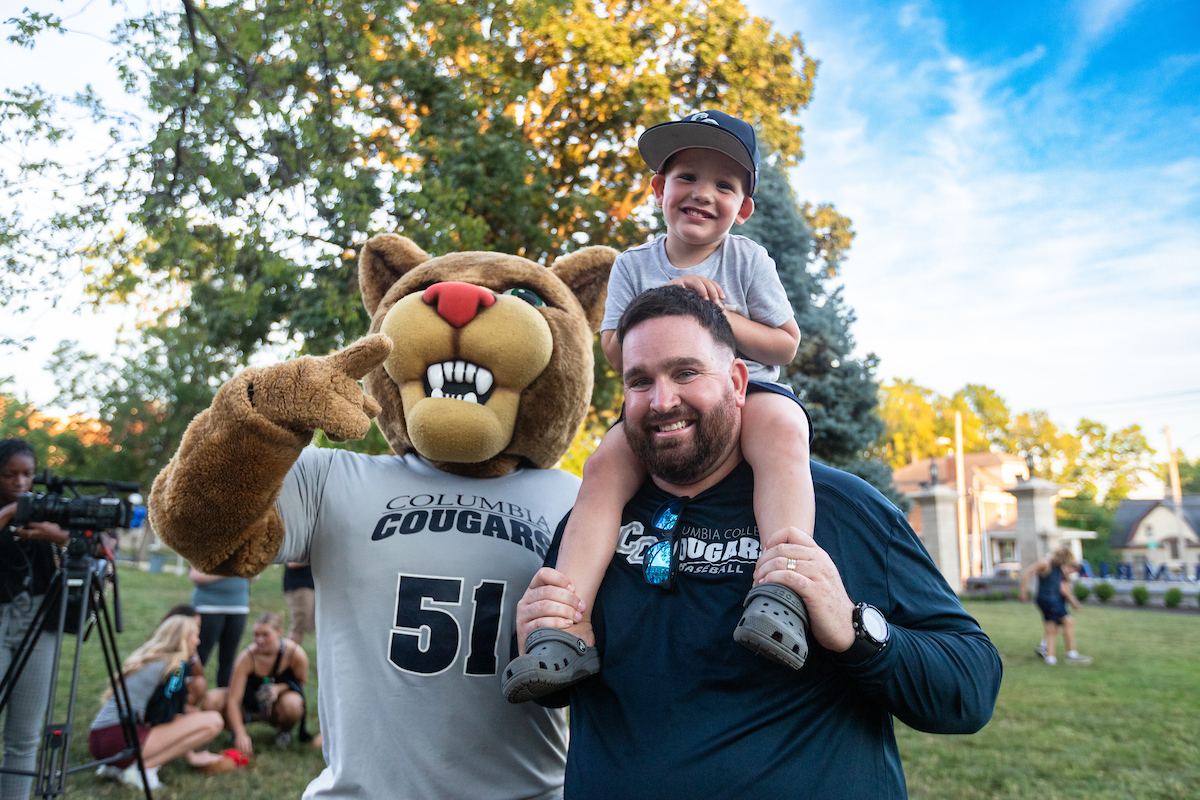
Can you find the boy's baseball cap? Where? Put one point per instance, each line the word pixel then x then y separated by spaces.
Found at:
pixel 714 130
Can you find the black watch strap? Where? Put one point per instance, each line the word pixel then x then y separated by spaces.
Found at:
pixel 871 635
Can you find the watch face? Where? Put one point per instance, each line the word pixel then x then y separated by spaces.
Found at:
pixel 873 623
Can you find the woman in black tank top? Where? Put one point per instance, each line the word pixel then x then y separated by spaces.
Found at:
pixel 267 685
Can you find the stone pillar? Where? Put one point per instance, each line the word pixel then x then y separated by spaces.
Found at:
pixel 939 530
pixel 1037 525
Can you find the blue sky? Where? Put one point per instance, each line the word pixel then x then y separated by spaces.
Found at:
pixel 1024 180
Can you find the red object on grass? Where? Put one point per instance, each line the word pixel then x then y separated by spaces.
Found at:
pixel 237 756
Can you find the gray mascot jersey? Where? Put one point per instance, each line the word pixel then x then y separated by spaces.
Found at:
pixel 418 574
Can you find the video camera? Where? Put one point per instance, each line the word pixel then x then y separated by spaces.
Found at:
pixel 80 512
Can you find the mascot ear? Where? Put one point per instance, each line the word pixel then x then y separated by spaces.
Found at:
pixel 385 258
pixel 586 273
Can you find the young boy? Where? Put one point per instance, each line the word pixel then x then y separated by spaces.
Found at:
pixel 706 168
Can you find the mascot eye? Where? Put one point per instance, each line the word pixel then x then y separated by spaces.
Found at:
pixel 526 295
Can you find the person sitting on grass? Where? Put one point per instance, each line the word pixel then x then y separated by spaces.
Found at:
pixel 1053 588
pixel 194 677
pixel 267 686
pixel 154 677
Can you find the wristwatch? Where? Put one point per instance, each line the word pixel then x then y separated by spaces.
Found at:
pixel 871 635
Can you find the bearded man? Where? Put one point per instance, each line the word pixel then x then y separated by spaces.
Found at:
pixel 678 710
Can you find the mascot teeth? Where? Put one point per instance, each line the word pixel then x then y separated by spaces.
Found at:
pixel 459 380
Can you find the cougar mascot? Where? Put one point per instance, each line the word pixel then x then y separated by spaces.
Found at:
pixel 479 370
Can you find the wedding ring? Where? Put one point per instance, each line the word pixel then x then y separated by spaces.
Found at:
pixel 791 565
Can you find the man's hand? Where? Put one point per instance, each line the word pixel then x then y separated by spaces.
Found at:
pixel 705 287
pixel 309 392
pixel 549 602
pixel 816 580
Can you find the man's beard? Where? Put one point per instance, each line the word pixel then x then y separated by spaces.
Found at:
pixel 684 461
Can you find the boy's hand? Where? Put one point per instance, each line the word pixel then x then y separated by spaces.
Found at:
pixel 549 602
pixel 705 287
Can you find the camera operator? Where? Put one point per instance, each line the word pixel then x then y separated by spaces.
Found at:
pixel 26 568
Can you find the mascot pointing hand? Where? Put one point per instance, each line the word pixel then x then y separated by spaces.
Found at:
pixel 479 371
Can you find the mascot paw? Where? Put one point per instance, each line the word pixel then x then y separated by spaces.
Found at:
pixel 310 392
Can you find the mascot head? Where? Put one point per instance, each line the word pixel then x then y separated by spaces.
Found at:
pixel 492 360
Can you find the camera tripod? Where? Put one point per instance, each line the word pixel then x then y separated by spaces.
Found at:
pixel 76 593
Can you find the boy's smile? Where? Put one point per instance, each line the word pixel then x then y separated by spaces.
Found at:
pixel 702 195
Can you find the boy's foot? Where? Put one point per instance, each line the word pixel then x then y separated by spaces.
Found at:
pixel 1041 651
pixel 1051 661
pixel 774 625
pixel 1078 660
pixel 554 659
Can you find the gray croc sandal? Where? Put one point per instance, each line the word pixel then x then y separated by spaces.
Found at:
pixel 774 625
pixel 553 660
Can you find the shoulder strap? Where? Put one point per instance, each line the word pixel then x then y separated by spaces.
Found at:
pixel 278 657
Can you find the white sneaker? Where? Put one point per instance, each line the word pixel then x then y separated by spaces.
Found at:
pixel 1051 660
pixel 1079 660
pixel 1041 651
pixel 131 777
pixel 109 772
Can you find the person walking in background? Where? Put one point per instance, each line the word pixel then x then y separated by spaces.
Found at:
pixel 300 592
pixel 1053 593
pixel 26 568
pixel 223 604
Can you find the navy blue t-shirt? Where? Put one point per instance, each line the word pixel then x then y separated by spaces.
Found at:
pixel 680 710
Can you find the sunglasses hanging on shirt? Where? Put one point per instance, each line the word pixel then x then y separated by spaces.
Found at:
pixel 661 561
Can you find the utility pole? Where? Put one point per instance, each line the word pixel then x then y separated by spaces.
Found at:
pixel 961 485
pixel 1176 498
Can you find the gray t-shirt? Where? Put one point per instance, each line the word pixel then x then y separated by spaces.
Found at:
pixel 418 574
pixel 141 686
pixel 740 266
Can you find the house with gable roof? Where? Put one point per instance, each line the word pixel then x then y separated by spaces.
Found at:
pixel 1148 532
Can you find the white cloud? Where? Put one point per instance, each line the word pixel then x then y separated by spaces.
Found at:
pixel 1098 18
pixel 1063 285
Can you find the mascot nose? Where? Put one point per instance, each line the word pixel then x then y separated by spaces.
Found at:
pixel 458 302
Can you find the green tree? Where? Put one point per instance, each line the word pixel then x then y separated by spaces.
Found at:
pixel 919 422
pixel 991 416
pixel 1189 473
pixel 1082 512
pixel 809 245
pixel 1103 463
pixel 912 424
pixel 286 133
pixel 77 447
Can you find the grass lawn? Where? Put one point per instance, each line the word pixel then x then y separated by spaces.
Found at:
pixel 1128 726
pixel 274 773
